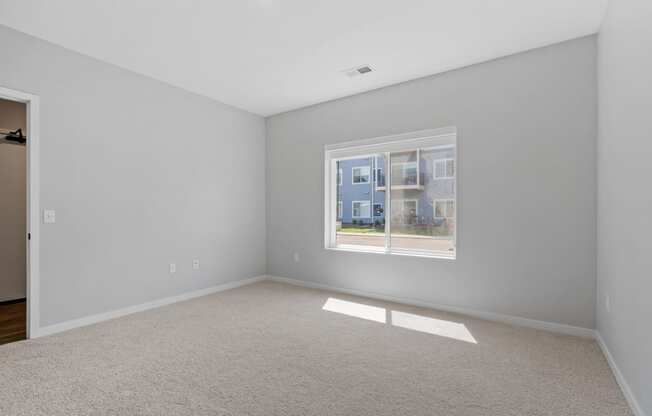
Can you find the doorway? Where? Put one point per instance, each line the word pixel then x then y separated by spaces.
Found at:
pixel 19 214
pixel 13 221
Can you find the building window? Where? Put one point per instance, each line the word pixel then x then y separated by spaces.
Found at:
pixel 395 217
pixel 444 208
pixel 405 208
pixel 360 174
pixel 378 175
pixel 339 177
pixel 405 173
pixel 361 209
pixel 444 169
pixel 378 210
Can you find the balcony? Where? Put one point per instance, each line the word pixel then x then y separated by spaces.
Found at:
pixel 401 181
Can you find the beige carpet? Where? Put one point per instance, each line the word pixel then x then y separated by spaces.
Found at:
pixel 271 349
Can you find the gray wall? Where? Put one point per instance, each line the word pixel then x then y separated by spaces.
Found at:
pixel 624 192
pixel 527 142
pixel 13 214
pixel 141 174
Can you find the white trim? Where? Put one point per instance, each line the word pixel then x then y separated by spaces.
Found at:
pixel 488 316
pixel 441 255
pixel 330 195
pixel 620 379
pixel 388 201
pixel 353 209
pixel 397 142
pixel 368 175
pixel 105 316
pixel 33 205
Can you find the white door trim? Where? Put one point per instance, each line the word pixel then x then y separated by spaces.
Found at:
pixel 33 207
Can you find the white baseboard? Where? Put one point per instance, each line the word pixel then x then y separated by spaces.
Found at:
pixel 105 316
pixel 489 316
pixel 624 386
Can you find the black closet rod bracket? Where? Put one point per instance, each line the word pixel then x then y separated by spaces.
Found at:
pixel 15 136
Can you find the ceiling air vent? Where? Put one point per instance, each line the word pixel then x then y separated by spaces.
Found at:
pixel 360 70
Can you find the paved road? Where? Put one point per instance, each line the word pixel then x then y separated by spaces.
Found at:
pixel 402 241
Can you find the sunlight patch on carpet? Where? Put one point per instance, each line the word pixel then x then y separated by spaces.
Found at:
pixel 358 310
pixel 432 326
pixel 439 327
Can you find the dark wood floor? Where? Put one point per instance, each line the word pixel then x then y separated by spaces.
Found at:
pixel 13 324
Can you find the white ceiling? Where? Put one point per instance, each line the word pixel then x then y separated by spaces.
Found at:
pixel 270 56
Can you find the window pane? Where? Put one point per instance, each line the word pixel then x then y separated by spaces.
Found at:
pixel 450 168
pixel 423 200
pixel 360 201
pixel 444 168
pixel 361 174
pixel 450 209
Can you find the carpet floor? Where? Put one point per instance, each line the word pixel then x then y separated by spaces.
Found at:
pixel 275 349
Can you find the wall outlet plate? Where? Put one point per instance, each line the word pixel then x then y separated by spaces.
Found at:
pixel 173 268
pixel 195 264
pixel 49 216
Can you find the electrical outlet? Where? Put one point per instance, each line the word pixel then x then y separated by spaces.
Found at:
pixel 296 257
pixel 607 303
pixel 195 264
pixel 49 216
pixel 173 268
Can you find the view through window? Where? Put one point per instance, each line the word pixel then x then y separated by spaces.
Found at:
pixel 410 210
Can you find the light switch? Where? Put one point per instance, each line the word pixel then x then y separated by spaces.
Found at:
pixel 49 216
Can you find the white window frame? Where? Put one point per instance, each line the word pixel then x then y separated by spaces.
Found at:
pixel 340 173
pixel 358 149
pixel 445 160
pixel 368 202
pixel 446 200
pixel 368 175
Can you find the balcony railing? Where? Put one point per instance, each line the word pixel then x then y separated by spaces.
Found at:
pixel 401 181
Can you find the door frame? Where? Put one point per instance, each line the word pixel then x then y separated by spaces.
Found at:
pixel 33 208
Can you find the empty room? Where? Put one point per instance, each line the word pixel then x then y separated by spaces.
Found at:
pixel 302 207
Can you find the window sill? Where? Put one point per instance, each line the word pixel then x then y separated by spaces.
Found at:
pixel 370 250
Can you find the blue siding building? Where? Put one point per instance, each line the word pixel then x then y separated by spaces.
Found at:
pixel 359 196
pixel 422 194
